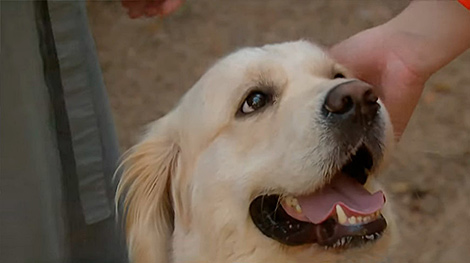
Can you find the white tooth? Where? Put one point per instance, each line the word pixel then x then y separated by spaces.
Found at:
pixel 291 201
pixel 298 209
pixel 288 200
pixel 352 220
pixel 295 201
pixel 342 218
pixel 370 237
pixel 359 219
pixel 366 219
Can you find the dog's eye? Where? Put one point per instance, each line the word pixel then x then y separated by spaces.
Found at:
pixel 255 101
pixel 339 76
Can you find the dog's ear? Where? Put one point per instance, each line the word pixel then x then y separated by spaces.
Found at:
pixel 144 190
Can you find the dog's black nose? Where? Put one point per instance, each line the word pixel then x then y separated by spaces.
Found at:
pixel 352 100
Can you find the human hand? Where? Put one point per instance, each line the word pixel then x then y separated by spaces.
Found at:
pixel 379 57
pixel 399 56
pixel 149 8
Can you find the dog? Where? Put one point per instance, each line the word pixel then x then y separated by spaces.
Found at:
pixel 272 156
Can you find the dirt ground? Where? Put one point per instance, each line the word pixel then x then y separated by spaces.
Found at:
pixel 148 64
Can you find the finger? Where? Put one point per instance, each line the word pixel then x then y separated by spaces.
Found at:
pixel 364 64
pixel 170 6
pixel 153 7
pixel 153 10
pixel 400 98
pixel 135 8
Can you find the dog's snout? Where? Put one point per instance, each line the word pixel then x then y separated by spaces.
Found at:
pixel 354 99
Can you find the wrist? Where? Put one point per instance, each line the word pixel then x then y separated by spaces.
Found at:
pixel 429 34
pixel 406 48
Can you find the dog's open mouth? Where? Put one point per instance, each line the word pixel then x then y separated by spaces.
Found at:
pixel 342 214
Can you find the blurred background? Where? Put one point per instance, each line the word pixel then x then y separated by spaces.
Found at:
pixel 149 63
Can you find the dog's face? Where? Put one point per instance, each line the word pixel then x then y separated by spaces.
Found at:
pixel 266 159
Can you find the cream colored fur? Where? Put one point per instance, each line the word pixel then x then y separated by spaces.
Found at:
pixel 187 185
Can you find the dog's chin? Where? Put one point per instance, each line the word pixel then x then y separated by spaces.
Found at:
pixel 341 215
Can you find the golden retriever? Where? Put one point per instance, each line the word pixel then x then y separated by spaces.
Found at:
pixel 271 156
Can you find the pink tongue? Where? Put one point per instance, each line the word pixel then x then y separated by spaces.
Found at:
pixel 343 190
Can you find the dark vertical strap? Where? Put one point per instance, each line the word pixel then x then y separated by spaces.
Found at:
pixel 88 152
pixel 81 81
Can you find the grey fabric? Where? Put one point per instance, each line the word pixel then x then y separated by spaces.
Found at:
pixel 58 148
pixel 80 77
pixel 31 206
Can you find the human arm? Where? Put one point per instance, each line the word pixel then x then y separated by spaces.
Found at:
pixel 399 56
pixel 149 8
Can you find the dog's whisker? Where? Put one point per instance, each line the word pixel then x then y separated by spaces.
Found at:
pixel 262 202
pixel 277 207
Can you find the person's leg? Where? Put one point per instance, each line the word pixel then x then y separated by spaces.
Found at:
pixel 59 148
pixel 31 224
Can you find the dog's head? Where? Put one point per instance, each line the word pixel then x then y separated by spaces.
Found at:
pixel 266 159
